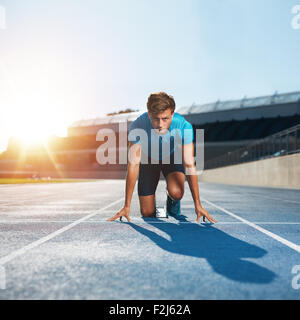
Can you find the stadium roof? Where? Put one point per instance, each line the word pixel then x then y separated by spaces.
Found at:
pixel 122 117
pixel 241 104
pixel 208 108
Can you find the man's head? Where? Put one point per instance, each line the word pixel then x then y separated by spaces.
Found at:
pixel 161 108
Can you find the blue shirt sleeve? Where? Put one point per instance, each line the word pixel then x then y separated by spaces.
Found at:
pixel 187 133
pixel 133 125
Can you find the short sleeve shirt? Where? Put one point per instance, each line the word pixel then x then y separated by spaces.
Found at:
pixel 157 146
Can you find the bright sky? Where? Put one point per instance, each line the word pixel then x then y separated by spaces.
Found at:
pixel 66 60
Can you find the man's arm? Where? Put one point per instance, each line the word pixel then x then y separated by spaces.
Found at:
pixel 192 178
pixel 132 171
pixel 134 155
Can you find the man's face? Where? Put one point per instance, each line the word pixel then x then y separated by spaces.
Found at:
pixel 161 122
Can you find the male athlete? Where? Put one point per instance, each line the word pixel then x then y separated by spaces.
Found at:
pixel 154 152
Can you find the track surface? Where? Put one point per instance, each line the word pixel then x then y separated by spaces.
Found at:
pixel 56 244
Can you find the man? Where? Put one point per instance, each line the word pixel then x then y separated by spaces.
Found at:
pixel 156 149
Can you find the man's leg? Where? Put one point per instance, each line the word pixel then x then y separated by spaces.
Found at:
pixel 175 184
pixel 175 190
pixel 147 184
pixel 147 205
pixel 175 178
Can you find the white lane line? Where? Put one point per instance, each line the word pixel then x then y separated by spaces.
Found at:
pixel 264 196
pixel 253 225
pixel 278 199
pixel 139 220
pixel 34 244
pixel 61 205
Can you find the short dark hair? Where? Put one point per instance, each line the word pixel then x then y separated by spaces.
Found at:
pixel 159 102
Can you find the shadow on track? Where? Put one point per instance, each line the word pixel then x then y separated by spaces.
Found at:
pixel 223 252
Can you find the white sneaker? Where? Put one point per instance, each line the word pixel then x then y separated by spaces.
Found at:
pixel 161 212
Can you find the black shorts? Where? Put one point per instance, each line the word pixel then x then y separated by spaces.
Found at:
pixel 149 175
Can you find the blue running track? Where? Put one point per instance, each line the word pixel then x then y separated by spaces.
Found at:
pixel 57 244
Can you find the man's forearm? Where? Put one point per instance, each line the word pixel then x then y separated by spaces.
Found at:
pixel 192 179
pixel 131 177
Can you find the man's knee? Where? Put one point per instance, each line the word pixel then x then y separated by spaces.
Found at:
pixel 176 193
pixel 147 212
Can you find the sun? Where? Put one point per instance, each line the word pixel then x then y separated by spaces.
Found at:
pixel 34 106
pixel 32 136
pixel 35 124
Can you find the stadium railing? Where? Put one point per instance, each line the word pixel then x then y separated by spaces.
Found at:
pixel 281 143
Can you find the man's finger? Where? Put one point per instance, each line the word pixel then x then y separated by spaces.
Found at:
pixel 208 216
pixel 211 219
pixel 127 217
pixel 116 216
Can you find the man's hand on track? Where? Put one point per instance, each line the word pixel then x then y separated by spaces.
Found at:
pixel 124 212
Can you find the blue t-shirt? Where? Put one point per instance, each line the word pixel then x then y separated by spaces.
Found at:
pixel 157 146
